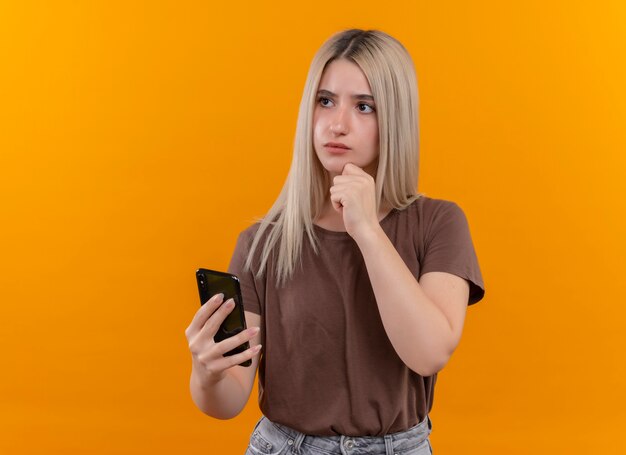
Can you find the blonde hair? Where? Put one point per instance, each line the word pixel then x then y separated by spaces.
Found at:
pixel 391 75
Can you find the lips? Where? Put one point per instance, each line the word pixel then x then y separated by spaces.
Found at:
pixel 336 148
pixel 336 145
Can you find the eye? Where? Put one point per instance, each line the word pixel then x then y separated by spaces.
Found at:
pixel 323 101
pixel 366 106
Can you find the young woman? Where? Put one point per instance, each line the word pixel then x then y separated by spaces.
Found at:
pixel 355 285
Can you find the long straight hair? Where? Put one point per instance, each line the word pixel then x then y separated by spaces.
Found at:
pixel 391 75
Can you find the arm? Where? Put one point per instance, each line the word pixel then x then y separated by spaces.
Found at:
pixel 423 320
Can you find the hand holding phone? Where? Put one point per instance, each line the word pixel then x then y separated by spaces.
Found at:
pixel 209 362
pixel 210 284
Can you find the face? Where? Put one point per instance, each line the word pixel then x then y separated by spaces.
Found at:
pixel 345 125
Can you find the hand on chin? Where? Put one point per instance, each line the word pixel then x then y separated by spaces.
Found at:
pixel 353 195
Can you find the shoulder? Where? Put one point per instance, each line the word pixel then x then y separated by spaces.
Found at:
pixel 426 208
pixel 248 233
pixel 252 241
pixel 245 239
pixel 263 224
pixel 427 217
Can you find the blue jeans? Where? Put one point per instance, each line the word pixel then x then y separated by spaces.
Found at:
pixel 269 438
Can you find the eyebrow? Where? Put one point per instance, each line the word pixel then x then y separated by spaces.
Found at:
pixel 361 96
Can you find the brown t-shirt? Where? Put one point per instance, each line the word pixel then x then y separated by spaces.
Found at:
pixel 328 367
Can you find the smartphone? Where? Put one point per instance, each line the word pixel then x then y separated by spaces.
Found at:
pixel 211 282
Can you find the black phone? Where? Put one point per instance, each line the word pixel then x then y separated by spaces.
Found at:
pixel 211 282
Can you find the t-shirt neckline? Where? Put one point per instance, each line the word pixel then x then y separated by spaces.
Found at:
pixel 344 234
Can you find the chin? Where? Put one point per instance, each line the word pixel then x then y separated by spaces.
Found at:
pixel 335 168
pixel 335 164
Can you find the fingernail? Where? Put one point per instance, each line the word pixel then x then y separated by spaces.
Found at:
pixel 230 303
pixel 219 297
pixel 257 348
pixel 253 330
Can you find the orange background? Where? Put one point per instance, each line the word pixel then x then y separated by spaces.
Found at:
pixel 138 138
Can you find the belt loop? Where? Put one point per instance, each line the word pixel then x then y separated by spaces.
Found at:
pixel 389 445
pixel 295 448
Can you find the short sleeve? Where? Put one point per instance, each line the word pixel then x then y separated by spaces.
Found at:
pixel 249 284
pixel 449 248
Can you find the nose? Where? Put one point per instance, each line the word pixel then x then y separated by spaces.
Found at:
pixel 339 122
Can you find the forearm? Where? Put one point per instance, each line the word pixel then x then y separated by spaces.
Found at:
pixel 222 400
pixel 419 332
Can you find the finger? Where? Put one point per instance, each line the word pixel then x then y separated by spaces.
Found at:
pixel 352 169
pixel 231 343
pixel 356 183
pixel 340 179
pixel 203 313
pixel 336 200
pixel 342 188
pixel 345 194
pixel 216 319
pixel 344 179
pixel 233 360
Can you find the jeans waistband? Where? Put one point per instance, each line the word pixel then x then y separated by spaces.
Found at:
pixel 402 441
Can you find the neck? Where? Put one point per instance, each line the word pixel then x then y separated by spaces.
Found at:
pixel 332 220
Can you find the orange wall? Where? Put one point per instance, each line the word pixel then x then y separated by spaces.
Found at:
pixel 138 138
